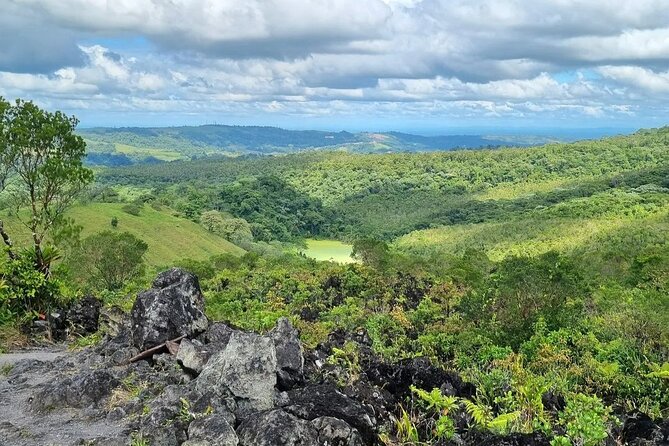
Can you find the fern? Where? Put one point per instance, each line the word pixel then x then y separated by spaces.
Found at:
pixel 659 371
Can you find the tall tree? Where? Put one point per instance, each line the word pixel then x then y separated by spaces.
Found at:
pixel 42 162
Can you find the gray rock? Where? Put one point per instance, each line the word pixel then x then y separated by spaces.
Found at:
pixel 289 357
pixel 335 432
pixel 218 335
pixel 162 436
pixel 173 307
pixel 193 355
pixel 276 428
pixel 83 390
pixel 245 370
pixel 213 429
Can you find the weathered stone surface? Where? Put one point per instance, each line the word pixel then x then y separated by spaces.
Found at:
pixel 193 355
pixel 83 390
pixel 214 430
pixel 335 432
pixel 289 357
pixel 276 428
pixel 245 370
pixel 173 307
pixel 316 401
pixel 83 317
pixel 218 334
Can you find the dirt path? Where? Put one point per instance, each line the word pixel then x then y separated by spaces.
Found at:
pixel 25 372
pixel 47 355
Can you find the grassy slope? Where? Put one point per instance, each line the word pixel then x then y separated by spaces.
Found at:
pixel 169 238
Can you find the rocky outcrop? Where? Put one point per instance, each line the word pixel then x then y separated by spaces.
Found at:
pixel 276 427
pixel 289 355
pixel 173 307
pixel 245 369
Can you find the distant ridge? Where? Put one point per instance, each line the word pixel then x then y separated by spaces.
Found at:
pixel 131 145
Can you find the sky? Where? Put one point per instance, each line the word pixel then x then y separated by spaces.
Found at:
pixel 428 66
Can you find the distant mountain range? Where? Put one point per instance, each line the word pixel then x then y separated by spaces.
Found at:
pixel 132 145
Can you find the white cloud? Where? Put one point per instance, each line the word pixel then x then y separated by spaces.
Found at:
pixel 460 57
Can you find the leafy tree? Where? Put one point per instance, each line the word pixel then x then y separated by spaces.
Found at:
pixel 371 252
pixel 42 162
pixel 237 230
pixel 110 259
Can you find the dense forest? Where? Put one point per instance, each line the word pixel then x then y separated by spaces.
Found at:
pixel 539 275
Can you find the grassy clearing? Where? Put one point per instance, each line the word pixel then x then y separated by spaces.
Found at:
pixel 161 154
pixel 329 250
pixel 169 238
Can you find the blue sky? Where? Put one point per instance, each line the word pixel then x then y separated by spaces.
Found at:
pixel 429 66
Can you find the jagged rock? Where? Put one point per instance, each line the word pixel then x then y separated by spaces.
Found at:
pixel 289 358
pixel 192 355
pixel 321 400
pixel 214 430
pixel 80 391
pixel 115 323
pixel 335 432
pixel 173 307
pixel 245 369
pixel 640 430
pixel 420 372
pixel 276 428
pixel 84 316
pixel 217 334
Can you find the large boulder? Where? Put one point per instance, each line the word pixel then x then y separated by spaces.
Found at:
pixel 173 307
pixel 245 370
pixel 324 400
pixel 290 361
pixel 276 428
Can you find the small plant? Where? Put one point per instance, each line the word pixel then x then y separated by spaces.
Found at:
pixel 347 358
pixel 185 414
pixel 114 222
pixel 442 405
pixel 407 433
pixel 137 439
pixel 585 419
pixel 86 341
pixel 6 369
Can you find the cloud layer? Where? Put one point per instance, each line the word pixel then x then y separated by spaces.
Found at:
pixel 444 61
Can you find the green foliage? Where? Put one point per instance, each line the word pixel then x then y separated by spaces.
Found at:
pixel 109 259
pixel 114 222
pixel 585 420
pixel 24 290
pixel 43 158
pixel 132 209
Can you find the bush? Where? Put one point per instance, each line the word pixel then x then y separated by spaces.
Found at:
pixel 132 209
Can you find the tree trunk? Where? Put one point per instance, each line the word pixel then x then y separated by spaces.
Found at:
pixel 7 240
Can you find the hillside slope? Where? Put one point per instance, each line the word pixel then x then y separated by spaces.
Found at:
pixel 169 238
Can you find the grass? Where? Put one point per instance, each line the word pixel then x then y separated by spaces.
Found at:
pixel 329 250
pixel 170 238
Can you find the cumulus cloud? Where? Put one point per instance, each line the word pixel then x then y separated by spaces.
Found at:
pixel 455 58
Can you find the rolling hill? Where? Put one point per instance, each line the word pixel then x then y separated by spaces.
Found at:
pixel 169 238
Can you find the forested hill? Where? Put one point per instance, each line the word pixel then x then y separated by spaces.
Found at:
pixel 346 195
pixel 130 145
